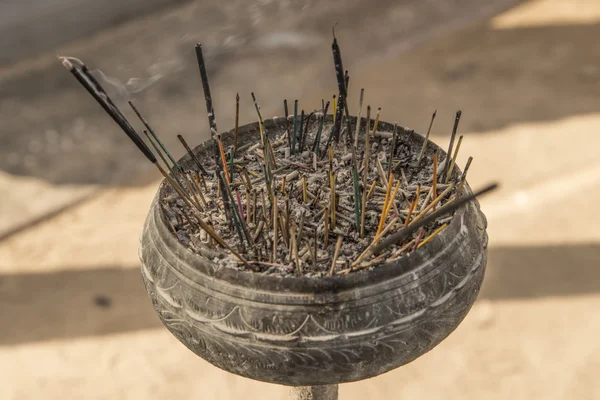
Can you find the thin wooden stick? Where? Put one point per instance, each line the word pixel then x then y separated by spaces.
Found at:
pixel 295 251
pixel 366 158
pixel 326 228
pixel 463 179
pixel 336 253
pixel 192 155
pixel 293 149
pixel 433 203
pixel 434 178
pixel 453 161
pixel 426 137
pixel 413 205
pixel 275 224
pixel 237 119
pixel 385 206
pixel 371 188
pixel 434 234
pixel 392 150
pixel 418 239
pixel 223 160
pixel 451 144
pixel 376 123
pixel 304 190
pixel 358 119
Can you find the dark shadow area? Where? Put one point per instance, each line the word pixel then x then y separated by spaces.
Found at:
pixel 52 129
pixel 62 305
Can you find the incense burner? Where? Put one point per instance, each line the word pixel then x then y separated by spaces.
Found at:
pixel 304 331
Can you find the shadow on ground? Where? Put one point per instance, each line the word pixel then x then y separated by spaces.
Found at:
pixel 64 305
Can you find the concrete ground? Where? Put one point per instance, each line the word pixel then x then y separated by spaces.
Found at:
pixel 78 324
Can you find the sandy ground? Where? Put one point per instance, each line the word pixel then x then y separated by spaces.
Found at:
pixel 77 322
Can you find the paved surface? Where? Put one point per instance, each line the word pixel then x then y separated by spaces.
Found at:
pixel 81 325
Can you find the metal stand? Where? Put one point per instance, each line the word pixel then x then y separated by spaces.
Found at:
pixel 327 392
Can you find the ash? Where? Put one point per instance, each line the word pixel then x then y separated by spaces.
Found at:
pixel 315 193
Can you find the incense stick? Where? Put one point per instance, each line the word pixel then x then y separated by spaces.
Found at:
pixel 335 254
pixel 192 155
pixel 451 144
pixel 453 161
pixel 426 137
pixel 237 118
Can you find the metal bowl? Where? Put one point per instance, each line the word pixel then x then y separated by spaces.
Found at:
pixel 303 331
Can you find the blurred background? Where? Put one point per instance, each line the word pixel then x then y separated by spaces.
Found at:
pixel 75 319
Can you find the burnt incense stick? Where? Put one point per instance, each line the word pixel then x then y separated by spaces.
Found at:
pixel 305 134
pixel 237 119
pixel 385 205
pixel 366 158
pixel 317 143
pixel 300 131
pixel 426 137
pixel 301 226
pixel 212 122
pixel 376 123
pixel 339 73
pixel 295 251
pixel 392 150
pixel 205 86
pixel 334 102
pixel 275 218
pixel 463 178
pixel 453 161
pixel 357 194
pixel 434 176
pixel 326 228
pixel 413 205
pixel 451 144
pixel 294 127
pixel 287 124
pixel 192 155
pixel 358 118
pixel 445 209
pixel 336 253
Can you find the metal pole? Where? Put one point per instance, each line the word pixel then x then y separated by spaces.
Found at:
pixel 326 392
